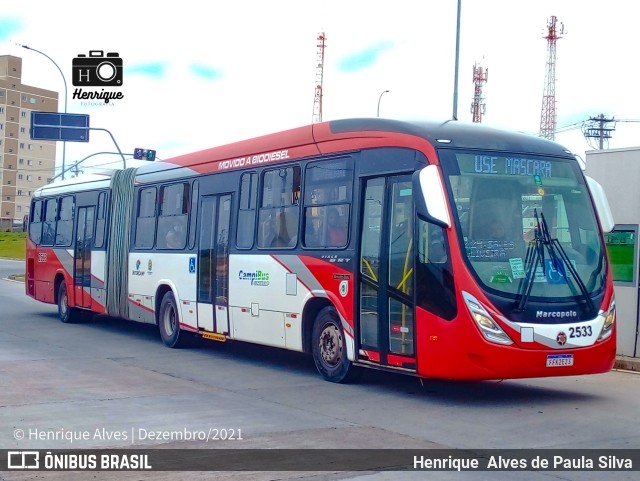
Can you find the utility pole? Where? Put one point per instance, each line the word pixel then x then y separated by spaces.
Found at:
pixel 457 62
pixel 598 129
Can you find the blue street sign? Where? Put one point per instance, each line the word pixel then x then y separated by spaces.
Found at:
pixel 55 126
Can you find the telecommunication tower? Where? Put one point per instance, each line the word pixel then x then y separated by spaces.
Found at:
pixel 317 100
pixel 478 107
pixel 549 116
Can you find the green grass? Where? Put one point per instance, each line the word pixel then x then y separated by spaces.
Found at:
pixel 12 245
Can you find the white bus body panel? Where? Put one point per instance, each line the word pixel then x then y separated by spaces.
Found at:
pixel 147 271
pixel 266 302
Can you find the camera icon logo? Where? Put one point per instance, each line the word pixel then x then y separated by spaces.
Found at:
pixel 97 70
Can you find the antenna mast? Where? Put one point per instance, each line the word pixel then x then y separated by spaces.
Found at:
pixel 317 100
pixel 549 116
pixel 478 107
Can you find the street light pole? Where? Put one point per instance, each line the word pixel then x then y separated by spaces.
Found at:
pixel 379 99
pixel 457 61
pixel 64 144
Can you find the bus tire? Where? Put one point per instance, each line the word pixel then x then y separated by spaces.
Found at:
pixel 169 322
pixel 329 347
pixel 67 314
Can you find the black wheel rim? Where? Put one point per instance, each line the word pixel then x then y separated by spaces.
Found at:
pixel 170 320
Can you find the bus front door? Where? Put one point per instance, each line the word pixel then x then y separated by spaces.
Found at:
pixel 82 256
pixel 213 263
pixel 386 321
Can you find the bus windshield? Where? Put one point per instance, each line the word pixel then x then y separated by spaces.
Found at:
pixel 527 224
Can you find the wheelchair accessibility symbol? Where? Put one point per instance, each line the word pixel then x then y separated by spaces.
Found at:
pixel 555 272
pixel 192 265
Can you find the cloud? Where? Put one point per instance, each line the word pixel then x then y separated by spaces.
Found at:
pixel 9 26
pixel 205 72
pixel 154 69
pixel 365 58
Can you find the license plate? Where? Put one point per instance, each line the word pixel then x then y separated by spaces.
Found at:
pixel 556 360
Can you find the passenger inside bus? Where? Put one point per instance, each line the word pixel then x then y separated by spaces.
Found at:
pixel 275 232
pixel 495 215
pixel 496 230
pixel 336 229
pixel 175 238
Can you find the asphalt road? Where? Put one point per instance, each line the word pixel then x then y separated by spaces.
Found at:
pixel 9 267
pixel 117 377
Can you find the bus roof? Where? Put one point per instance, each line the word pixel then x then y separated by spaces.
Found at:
pixel 324 138
pixel 337 135
pixel 75 184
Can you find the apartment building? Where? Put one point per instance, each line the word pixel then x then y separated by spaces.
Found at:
pixel 26 164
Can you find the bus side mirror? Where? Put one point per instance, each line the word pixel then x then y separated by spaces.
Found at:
pixel 602 204
pixel 430 197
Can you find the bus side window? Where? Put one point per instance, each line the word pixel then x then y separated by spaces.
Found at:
pixel 35 224
pixel 280 209
pixel 98 239
pixel 434 282
pixel 173 216
pixel 193 214
pixel 64 230
pixel 49 226
pixel 146 218
pixel 327 201
pixel 247 210
pixel 432 246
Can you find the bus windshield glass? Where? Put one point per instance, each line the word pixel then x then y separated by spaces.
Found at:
pixel 528 228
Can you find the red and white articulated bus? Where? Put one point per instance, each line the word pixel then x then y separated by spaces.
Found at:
pixel 437 250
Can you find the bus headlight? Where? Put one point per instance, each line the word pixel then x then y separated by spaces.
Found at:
pixel 609 320
pixel 488 327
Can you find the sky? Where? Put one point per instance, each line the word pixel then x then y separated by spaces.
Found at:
pixel 200 74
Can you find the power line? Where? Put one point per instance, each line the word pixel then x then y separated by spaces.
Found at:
pixel 597 129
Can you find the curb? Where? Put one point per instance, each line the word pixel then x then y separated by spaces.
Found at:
pixel 627 363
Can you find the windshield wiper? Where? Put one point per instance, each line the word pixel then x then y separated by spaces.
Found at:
pixel 533 257
pixel 555 244
pixel 558 257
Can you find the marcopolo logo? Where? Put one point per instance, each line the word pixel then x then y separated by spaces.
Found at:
pixel 556 314
pixel 257 278
pixel 97 70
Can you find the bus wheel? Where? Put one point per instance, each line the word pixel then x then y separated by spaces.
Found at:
pixel 66 313
pixel 169 322
pixel 329 348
